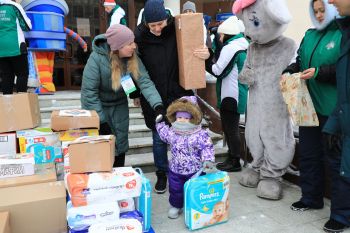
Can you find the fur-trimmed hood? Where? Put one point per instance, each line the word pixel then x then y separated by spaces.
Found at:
pixel 330 14
pixel 185 104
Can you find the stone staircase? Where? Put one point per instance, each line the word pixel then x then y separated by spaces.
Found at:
pixel 140 137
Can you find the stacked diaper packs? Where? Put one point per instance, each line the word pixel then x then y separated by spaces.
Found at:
pixel 116 202
pixel 206 200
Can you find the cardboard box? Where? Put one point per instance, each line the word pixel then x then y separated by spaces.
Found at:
pixel 36 208
pixel 5 222
pixel 47 174
pixel 19 111
pixel 190 36
pixel 71 135
pixel 42 142
pixel 14 167
pixel 8 144
pixel 92 154
pixel 74 119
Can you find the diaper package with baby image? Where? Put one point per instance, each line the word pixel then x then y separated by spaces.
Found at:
pixel 83 217
pixel 99 187
pixel 206 200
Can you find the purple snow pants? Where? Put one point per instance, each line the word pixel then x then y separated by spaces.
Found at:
pixel 176 188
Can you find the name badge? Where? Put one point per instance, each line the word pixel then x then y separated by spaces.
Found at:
pixel 127 84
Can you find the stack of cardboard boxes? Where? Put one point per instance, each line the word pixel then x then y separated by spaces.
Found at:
pixel 31 199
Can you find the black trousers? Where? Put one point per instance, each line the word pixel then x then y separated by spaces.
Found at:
pixel 119 160
pixel 230 126
pixel 11 67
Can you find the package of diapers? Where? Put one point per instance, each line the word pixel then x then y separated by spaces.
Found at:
pixel 206 200
pixel 126 205
pixel 100 187
pixel 82 217
pixel 120 226
pixel 144 202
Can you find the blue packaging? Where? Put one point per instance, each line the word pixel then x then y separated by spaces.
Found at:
pixel 206 200
pixel 144 202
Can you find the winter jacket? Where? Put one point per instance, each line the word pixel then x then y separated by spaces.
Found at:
pixel 339 121
pixel 159 55
pixel 112 106
pixel 320 49
pixel 117 16
pixel 13 20
pixel 226 70
pixel 188 149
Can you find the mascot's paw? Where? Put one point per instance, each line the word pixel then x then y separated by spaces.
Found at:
pixel 249 178
pixel 270 189
pixel 247 76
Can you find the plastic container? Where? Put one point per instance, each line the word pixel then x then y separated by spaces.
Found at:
pixel 46 41
pixel 57 6
pixel 46 21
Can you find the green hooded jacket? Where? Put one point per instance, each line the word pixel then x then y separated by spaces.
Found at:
pixel 112 106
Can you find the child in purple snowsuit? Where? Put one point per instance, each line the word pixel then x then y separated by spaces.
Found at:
pixel 191 147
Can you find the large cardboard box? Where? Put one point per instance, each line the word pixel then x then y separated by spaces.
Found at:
pixel 36 208
pixel 8 144
pixel 44 175
pixel 19 111
pixel 5 222
pixel 74 119
pixel 92 154
pixel 190 36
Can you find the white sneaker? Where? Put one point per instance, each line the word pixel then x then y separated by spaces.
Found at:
pixel 174 213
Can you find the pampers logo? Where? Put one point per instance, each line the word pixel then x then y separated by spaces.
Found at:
pixel 211 194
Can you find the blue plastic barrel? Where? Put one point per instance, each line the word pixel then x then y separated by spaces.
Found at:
pixel 46 21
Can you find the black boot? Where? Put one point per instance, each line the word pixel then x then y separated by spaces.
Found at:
pixel 333 226
pixel 230 165
pixel 119 160
pixel 160 186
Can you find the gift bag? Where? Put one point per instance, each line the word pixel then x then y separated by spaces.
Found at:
pixel 298 100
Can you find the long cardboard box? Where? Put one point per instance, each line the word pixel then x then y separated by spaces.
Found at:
pixel 92 154
pixel 190 36
pixel 74 119
pixel 19 111
pixel 5 222
pixel 36 208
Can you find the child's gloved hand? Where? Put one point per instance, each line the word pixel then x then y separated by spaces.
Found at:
pixel 208 165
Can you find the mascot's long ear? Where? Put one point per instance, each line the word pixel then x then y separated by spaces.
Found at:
pixel 278 11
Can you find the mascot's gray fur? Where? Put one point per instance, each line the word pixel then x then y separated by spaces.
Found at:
pixel 268 132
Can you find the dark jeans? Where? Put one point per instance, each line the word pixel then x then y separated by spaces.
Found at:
pixel 160 152
pixel 312 164
pixel 11 67
pixel 230 126
pixel 340 189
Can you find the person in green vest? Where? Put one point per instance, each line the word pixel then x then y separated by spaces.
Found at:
pixel 112 72
pixel 231 95
pixel 13 49
pixel 116 14
pixel 337 128
pixel 316 60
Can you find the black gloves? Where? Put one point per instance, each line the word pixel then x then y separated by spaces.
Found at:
pixel 160 114
pixel 105 129
pixel 333 142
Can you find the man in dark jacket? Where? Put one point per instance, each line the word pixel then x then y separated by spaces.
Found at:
pixel 156 40
pixel 337 129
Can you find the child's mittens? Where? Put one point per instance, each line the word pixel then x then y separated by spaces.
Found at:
pixel 208 165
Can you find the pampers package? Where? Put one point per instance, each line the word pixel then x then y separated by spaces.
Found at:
pixel 79 218
pixel 206 200
pixel 99 187
pixel 120 226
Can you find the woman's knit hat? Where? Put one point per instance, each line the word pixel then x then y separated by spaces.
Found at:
pixel 185 104
pixel 154 11
pixel 118 36
pixel 109 3
pixel 189 6
pixel 231 26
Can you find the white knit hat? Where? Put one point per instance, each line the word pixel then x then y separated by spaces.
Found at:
pixel 231 26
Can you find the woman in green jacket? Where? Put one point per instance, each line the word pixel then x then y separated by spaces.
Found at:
pixel 109 76
pixel 317 55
